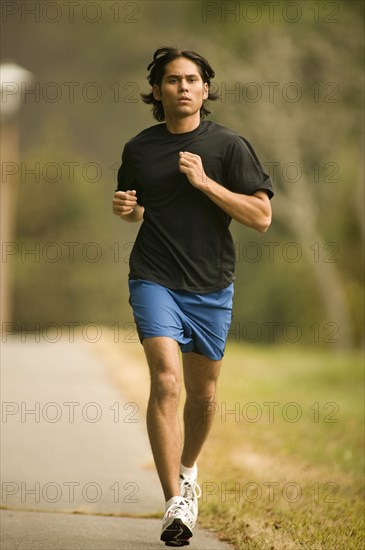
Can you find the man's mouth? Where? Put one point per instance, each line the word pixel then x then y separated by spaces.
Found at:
pixel 184 98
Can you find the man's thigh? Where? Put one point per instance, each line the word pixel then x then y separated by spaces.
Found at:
pixel 200 374
pixel 162 354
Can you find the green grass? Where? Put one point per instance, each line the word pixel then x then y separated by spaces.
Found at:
pixel 285 470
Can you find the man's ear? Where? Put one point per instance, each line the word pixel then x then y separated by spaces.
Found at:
pixel 156 92
pixel 205 90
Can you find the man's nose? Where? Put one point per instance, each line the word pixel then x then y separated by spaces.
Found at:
pixel 183 84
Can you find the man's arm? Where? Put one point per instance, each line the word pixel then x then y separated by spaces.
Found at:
pixel 126 207
pixel 251 210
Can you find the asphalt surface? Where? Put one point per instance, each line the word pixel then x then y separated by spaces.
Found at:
pixel 76 460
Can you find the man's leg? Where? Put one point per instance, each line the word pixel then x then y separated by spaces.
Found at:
pixel 200 375
pixel 163 427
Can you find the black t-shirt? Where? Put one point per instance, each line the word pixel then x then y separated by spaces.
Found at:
pixel 184 241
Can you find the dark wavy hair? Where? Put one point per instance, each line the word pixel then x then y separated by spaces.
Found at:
pixel 161 58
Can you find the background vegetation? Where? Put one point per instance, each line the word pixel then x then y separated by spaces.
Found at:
pixel 290 77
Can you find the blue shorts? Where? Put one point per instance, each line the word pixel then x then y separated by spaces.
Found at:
pixel 198 322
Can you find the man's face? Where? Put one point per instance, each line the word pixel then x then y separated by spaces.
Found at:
pixel 182 89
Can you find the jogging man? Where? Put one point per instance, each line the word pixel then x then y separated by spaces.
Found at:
pixel 186 179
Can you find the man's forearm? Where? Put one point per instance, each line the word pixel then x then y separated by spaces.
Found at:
pixel 251 210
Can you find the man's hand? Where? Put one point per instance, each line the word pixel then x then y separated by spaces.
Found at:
pixel 191 165
pixel 124 202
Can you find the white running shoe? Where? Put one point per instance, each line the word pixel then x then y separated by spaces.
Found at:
pixel 177 524
pixel 190 490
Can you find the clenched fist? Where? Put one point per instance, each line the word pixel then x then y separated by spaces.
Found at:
pixel 191 165
pixel 124 202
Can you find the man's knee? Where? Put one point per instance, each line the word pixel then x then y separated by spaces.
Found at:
pixel 165 385
pixel 164 364
pixel 202 394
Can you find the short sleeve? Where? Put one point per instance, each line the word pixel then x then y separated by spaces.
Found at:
pixel 243 171
pixel 126 175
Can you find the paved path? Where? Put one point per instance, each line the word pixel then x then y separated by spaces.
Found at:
pixel 42 531
pixel 75 453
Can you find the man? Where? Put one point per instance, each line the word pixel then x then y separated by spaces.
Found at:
pixel 186 178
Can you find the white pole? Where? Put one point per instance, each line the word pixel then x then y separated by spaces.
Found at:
pixel 12 77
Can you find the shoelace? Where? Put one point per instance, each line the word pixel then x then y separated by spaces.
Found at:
pixel 191 489
pixel 176 509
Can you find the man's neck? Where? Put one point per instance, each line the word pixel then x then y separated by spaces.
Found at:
pixel 182 125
